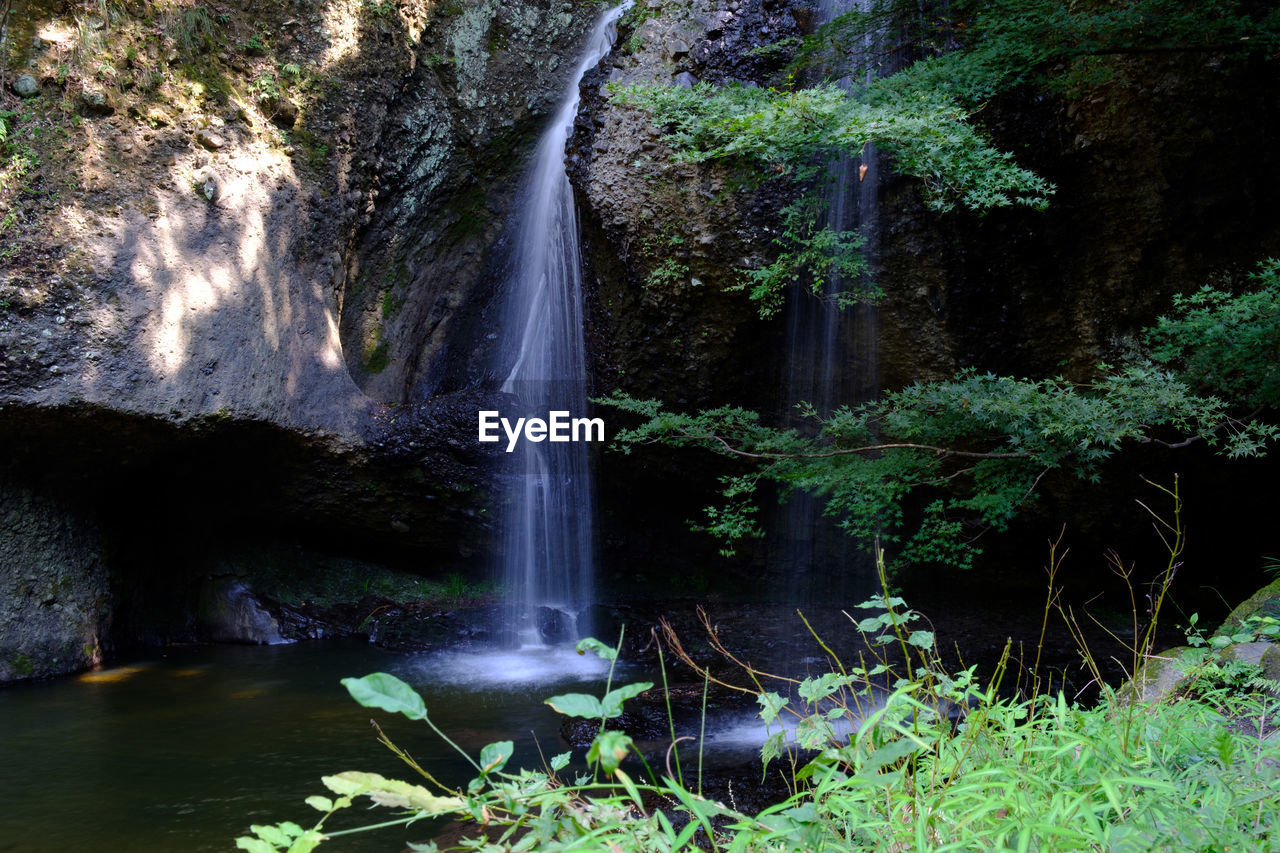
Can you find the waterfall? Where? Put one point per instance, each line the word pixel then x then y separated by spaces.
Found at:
pixel 548 561
pixel 831 361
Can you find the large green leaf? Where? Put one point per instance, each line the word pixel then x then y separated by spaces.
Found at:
pixel 921 639
pixel 577 705
pixel 380 690
pixel 322 804
pixel 613 700
pixel 389 792
pixel 771 704
pixel 591 644
pixel 609 748
pixel 496 755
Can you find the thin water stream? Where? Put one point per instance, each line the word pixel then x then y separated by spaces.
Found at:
pixel 548 531
pixel 832 360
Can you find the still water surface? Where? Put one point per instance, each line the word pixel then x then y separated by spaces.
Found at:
pixel 182 749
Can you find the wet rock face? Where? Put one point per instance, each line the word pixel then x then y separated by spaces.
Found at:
pixel 488 78
pixel 663 240
pixel 666 239
pixel 55 602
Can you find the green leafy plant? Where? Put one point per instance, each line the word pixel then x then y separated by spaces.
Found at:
pixel 796 132
pixel 266 87
pixel 491 795
pixel 379 8
pixel 669 273
pixel 193 29
pixel 813 256
pixel 1227 341
pixel 894 753
pixel 969 452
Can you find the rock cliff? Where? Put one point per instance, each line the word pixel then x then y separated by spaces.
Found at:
pixel 235 239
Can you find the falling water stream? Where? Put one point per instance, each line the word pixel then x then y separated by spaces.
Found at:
pixel 548 544
pixel 831 361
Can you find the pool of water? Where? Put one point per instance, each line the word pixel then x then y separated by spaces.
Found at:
pixel 182 749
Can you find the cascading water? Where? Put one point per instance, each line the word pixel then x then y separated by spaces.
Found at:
pixel 832 360
pixel 548 561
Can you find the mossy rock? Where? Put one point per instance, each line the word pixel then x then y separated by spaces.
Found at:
pixel 1270 662
pixel 1264 602
pixel 1163 675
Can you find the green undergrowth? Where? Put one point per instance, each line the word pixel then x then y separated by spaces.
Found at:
pixel 893 753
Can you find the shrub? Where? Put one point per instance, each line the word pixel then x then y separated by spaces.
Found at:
pixel 895 755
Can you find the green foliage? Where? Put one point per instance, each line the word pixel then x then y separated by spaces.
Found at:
pixel 585 705
pixel 192 29
pixel 286 836
pixel 794 133
pixel 378 8
pixel 1000 44
pixel 979 443
pixel 812 255
pixel 19 166
pixel 1229 343
pixel 771 134
pixel 971 450
pixel 266 87
pixel 895 753
pixel 667 274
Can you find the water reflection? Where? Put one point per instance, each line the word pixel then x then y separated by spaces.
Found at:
pixel 183 750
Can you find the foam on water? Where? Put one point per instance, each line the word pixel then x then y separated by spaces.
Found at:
pixel 529 665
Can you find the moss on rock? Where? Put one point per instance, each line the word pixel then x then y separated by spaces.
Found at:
pixel 1264 602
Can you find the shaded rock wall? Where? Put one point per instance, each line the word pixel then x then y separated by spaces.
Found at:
pixel 449 166
pixel 193 285
pixel 1164 175
pixel 55 598
pixel 666 239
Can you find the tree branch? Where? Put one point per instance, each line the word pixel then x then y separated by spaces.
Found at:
pixel 851 451
pixel 4 42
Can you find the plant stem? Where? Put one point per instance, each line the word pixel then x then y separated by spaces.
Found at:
pixel 671 721
pixel 702 731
